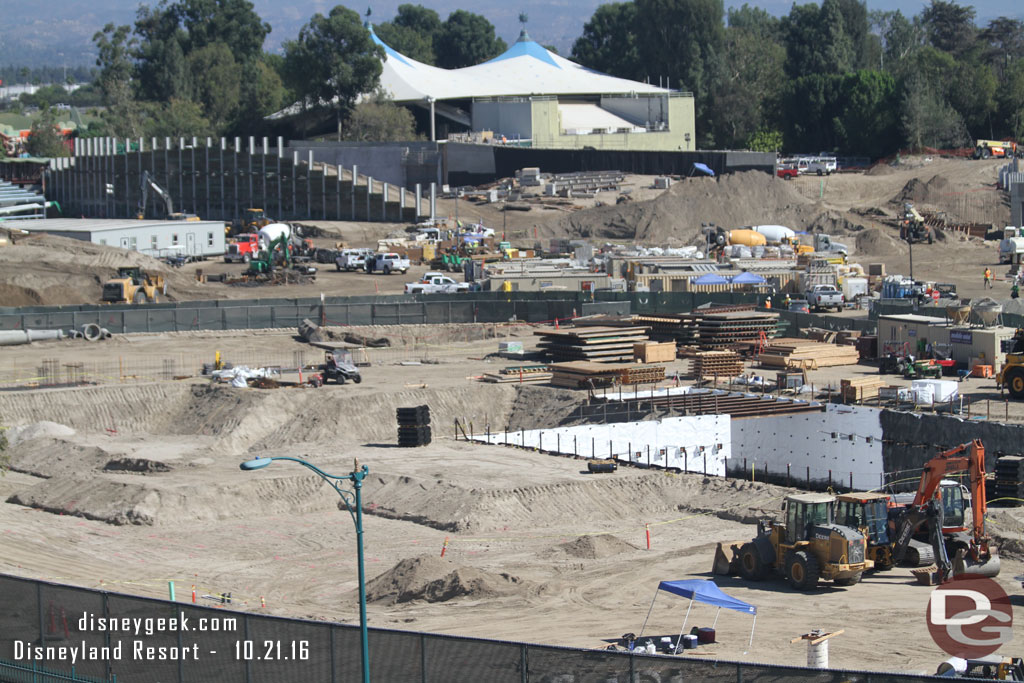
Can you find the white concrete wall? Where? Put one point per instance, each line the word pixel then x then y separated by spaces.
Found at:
pixel 683 443
pixel 805 440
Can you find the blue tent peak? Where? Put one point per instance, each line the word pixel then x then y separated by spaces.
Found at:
pixel 525 47
pixel 706 591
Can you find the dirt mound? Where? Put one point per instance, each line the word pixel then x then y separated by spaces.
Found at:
pixel 44 269
pixel 674 217
pixel 542 407
pixel 47 457
pixel 436 579
pixel 595 547
pixel 38 430
pixel 917 192
pixel 877 242
pixel 880 169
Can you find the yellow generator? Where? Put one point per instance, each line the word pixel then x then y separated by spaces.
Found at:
pixel 807 547
pixel 133 286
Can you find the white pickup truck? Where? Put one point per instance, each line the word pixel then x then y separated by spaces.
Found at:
pixel 436 284
pixel 390 262
pixel 825 296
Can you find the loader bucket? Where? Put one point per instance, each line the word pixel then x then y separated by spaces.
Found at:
pixel 727 559
pixel 965 566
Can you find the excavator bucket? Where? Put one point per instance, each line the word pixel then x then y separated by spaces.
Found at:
pixel 966 566
pixel 727 559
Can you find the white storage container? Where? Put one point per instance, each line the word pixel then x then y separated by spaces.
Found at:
pixel 942 389
pixel 854 287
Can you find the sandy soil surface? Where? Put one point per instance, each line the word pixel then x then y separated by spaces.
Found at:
pixel 124 486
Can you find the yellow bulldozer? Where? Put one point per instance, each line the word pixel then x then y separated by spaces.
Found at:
pixel 134 286
pixel 806 547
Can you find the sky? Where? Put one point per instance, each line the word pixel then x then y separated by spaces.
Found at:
pixel 68 25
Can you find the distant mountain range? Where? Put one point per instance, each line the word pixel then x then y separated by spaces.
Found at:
pixel 63 32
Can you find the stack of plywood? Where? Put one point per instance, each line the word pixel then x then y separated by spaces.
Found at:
pixel 807 354
pixel 655 352
pixel 600 344
pixel 583 374
pixel 857 389
pixel 680 328
pixel 519 374
pixel 716 364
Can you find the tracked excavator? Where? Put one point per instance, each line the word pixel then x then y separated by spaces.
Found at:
pixel 939 508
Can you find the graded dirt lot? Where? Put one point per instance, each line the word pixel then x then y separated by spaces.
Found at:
pixel 135 480
pixel 125 485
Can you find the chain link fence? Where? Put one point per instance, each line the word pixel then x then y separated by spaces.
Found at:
pixel 224 646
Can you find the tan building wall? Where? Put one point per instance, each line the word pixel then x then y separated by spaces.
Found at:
pixel 967 345
pixel 680 136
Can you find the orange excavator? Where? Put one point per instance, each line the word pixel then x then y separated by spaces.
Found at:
pixel 940 506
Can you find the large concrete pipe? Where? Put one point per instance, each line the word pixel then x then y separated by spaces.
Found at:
pixel 12 337
pixel 91 332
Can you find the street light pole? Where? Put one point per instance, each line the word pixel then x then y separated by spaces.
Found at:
pixel 356 477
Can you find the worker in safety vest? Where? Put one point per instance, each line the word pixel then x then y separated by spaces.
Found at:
pixel 988 278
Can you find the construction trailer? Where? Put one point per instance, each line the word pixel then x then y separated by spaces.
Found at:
pixel 969 345
pixel 153 237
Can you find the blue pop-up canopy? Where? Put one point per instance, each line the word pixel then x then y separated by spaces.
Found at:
pixel 710 279
pixel 697 166
pixel 706 591
pixel 748 278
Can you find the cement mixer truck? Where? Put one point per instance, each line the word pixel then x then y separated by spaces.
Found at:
pixel 742 237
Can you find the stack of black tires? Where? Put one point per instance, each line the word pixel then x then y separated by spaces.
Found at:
pixel 413 426
pixel 1009 480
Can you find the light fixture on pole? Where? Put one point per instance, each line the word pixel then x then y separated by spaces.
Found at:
pixel 352 499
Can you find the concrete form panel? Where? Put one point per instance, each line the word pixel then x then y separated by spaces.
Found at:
pixel 844 440
pixel 682 443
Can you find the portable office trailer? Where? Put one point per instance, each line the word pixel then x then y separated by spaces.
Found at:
pixel 197 238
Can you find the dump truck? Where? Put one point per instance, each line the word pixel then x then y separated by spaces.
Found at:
pixel 805 548
pixel 134 286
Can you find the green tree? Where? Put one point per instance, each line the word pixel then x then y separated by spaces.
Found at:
pixel 412 32
pixel 378 119
pixel 262 93
pixel 466 39
pixel 1011 101
pixel 1004 38
pixel 818 41
pixel 178 118
pixel 899 38
pixel 765 141
pixel 232 23
pixel 45 139
pixel 332 62
pixel 867 123
pixel 216 82
pixel 609 41
pixel 162 72
pixel 928 120
pixel 949 26
pixel 115 46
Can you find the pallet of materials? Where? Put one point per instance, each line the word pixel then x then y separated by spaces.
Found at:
pixel 807 354
pixel 857 389
pixel 601 344
pixel 716 364
pixel 519 374
pixel 583 374
pixel 655 352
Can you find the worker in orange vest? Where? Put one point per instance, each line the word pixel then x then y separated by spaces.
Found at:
pixel 988 278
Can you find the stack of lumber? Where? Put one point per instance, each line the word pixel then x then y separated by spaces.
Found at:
pixel 716 364
pixel 581 374
pixel 655 352
pixel 601 344
pixel 727 330
pixel 687 329
pixel 807 354
pixel 680 328
pixel 857 389
pixel 519 374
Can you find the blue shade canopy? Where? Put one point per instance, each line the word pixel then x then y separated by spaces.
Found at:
pixel 703 167
pixel 748 278
pixel 706 591
pixel 710 279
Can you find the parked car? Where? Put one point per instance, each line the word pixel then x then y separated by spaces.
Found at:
pixel 787 172
pixel 352 259
pixel 799 306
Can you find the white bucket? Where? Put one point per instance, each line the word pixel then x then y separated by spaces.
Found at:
pixel 817 655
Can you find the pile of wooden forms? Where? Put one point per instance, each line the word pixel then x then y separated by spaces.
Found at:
pixel 600 344
pixel 806 354
pixel 858 389
pixel 714 328
pixel 711 364
pixel 519 374
pixel 586 374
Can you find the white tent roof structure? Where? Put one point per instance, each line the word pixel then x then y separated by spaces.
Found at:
pixel 526 68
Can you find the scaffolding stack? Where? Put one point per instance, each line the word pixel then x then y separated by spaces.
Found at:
pixel 716 364
pixel 413 426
